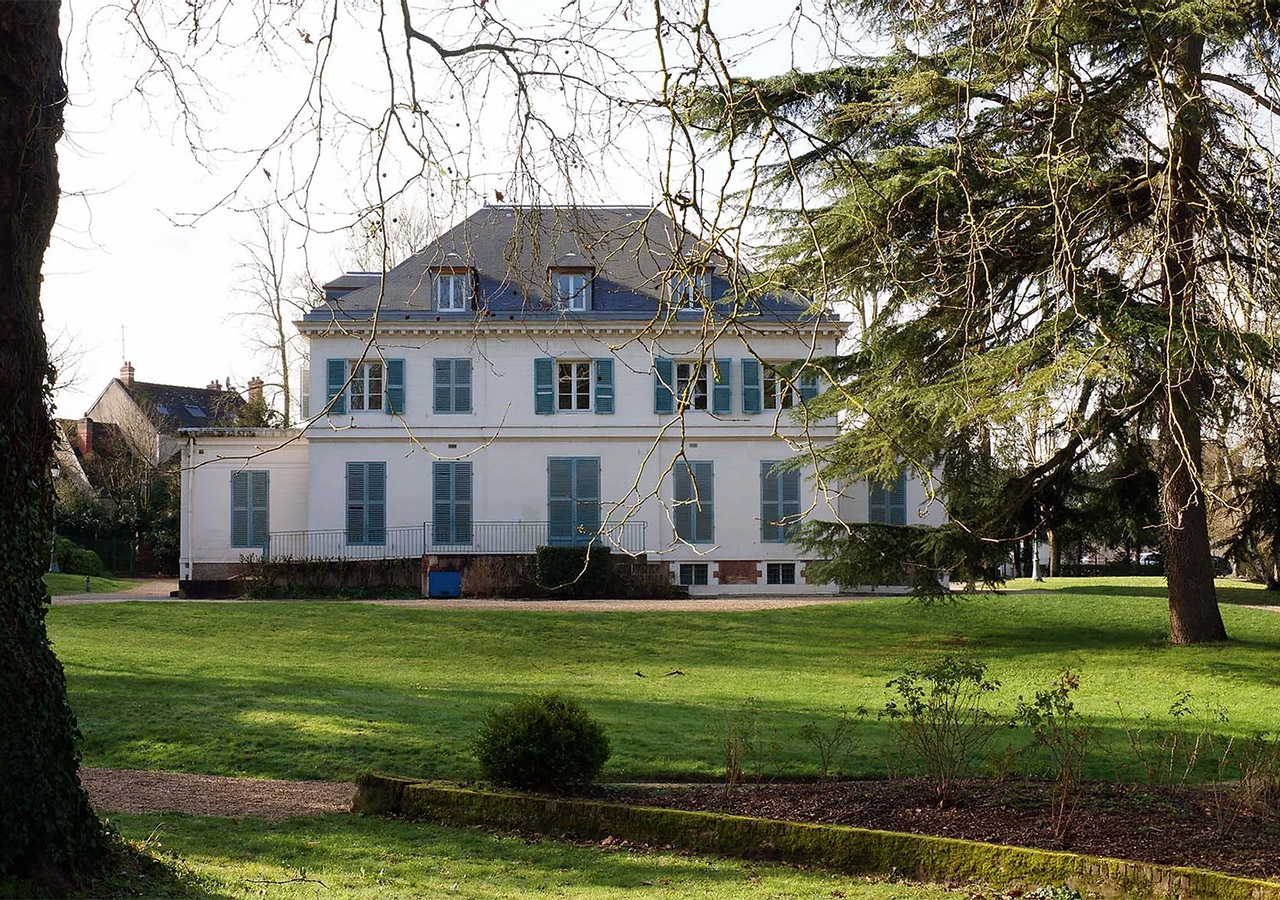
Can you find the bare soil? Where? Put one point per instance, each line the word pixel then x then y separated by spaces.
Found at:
pixel 120 790
pixel 1190 826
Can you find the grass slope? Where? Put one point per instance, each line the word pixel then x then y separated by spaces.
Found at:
pixel 322 690
pixel 60 584
pixel 339 856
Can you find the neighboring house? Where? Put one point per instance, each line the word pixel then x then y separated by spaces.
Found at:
pixel 150 415
pixel 540 376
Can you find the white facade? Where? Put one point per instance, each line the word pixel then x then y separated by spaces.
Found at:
pixel 606 386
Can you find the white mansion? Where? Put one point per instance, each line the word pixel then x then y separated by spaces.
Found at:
pixel 542 376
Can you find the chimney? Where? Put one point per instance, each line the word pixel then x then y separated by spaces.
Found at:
pixel 126 374
pixel 214 385
pixel 84 436
pixel 255 389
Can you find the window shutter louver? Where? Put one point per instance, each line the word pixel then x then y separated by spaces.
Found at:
pixel 704 510
pixel 395 387
pixel 355 503
pixel 462 502
pixel 376 488
pixel 442 503
pixel 682 494
pixel 336 372
pixel 442 388
pixel 462 385
pixel 587 499
pixel 260 507
pixel 560 500
pixel 239 509
pixel 789 491
pixel 770 505
pixel 664 380
pixel 808 385
pixel 544 391
pixel 752 399
pixel 604 386
pixel 722 391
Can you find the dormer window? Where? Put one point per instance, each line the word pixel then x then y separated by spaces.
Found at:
pixel 571 289
pixel 453 289
pixel 689 288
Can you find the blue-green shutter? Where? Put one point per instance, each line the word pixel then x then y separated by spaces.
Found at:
pixel 560 500
pixel 694 495
pixel 259 507
pixel 442 386
pixel 604 386
pixel 395 387
pixel 336 372
pixel 462 502
pixel 544 386
pixel 722 390
pixel 664 380
pixel 356 530
pixel 376 482
pixel 770 503
pixel 808 385
pixel 789 495
pixel 462 386
pixel 752 399
pixel 586 496
pixel 887 501
pixel 240 509
pixel 442 502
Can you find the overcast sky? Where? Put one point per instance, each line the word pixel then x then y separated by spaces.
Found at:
pixel 134 273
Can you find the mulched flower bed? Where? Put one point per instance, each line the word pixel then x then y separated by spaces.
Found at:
pixel 1171 826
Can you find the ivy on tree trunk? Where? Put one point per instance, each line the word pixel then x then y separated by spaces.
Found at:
pixel 46 823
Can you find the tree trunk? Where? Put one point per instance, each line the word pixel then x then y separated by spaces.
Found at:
pixel 1193 606
pixel 46 824
pixel 1055 553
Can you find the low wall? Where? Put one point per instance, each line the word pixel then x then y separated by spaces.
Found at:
pixel 515 575
pixel 852 850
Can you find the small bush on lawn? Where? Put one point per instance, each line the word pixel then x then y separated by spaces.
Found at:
pixel 541 741
pixel 76 560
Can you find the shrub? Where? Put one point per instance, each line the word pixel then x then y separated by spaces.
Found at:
pixel 938 719
pixel 1059 729
pixel 837 738
pixel 574 572
pixel 76 560
pixel 541 741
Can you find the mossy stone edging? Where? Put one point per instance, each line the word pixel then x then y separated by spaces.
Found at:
pixel 854 850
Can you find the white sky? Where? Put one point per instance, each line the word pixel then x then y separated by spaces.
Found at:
pixel 126 252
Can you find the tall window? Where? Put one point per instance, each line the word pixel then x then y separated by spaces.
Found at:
pixel 694 501
pixel 451 502
pixel 779 393
pixel 366 503
pixel 572 290
pixel 453 291
pixel 452 388
pixel 573 500
pixel 250 508
pixel 887 501
pixel 366 385
pixel 691 385
pixel 779 502
pixel 573 386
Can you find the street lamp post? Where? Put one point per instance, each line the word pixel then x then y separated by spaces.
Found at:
pixel 55 471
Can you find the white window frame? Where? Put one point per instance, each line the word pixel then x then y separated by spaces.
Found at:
pixel 576 381
pixel 360 395
pixel 695 373
pixel 455 288
pixel 688 289
pixel 571 289
pixel 694 570
pixel 777 391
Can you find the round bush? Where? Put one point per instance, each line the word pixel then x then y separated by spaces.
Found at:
pixel 541 741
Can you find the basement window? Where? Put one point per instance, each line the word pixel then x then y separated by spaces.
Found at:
pixel 780 573
pixel 693 573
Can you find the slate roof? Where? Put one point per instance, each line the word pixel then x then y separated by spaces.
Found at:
pixel 511 249
pixel 172 406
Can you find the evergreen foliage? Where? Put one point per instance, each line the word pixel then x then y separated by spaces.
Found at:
pixel 541 741
pixel 1065 211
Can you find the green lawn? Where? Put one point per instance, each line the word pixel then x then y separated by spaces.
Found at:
pixel 376 858
pixel 60 583
pixel 323 690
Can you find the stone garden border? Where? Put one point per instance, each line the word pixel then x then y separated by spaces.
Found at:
pixel 859 851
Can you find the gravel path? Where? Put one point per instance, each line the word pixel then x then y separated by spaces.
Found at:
pixel 124 790
pixel 723 603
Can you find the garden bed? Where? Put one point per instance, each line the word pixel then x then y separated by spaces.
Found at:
pixel 1168 826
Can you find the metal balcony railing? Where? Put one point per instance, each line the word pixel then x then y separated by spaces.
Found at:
pixel 408 541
